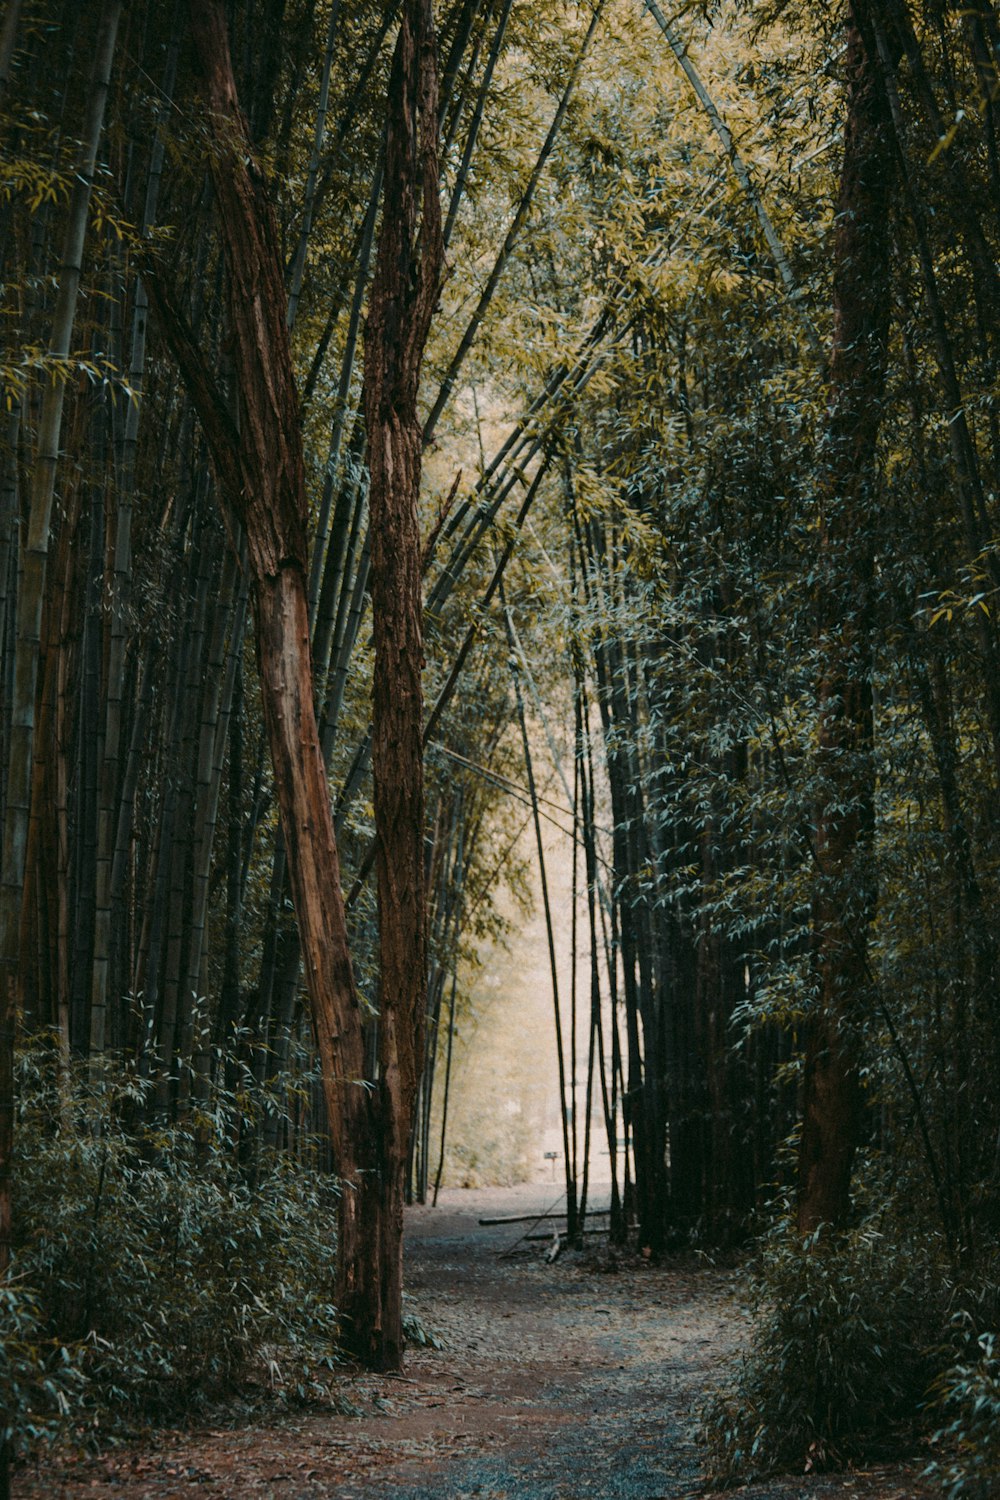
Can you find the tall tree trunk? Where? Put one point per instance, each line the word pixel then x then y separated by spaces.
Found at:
pixel 844 899
pixel 404 295
pixel 261 478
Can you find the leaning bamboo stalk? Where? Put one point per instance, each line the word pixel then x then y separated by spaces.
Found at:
pixel 742 174
pixel 452 101
pixel 570 1177
pixel 346 640
pixel 453 110
pixel 514 231
pixel 348 119
pixel 477 513
pixel 363 754
pixel 334 630
pixel 332 473
pixel 472 135
pixel 562 387
pixel 339 567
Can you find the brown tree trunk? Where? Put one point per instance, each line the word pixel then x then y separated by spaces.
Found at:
pixel 403 298
pixel 261 479
pixel 844 898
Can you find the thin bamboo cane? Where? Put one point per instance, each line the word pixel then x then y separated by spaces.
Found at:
pixel 458 191
pixel 331 475
pixel 43 489
pixel 220 672
pixel 514 232
pixel 174 1005
pixel 309 200
pixel 743 177
pixel 571 1184
pixel 32 593
pixel 89 735
pixel 121 572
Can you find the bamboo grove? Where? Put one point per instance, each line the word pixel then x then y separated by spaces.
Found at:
pixel 707 415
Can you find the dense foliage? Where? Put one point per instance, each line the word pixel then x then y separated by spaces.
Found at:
pixel 712 458
pixel 160 1269
pixel 845 1335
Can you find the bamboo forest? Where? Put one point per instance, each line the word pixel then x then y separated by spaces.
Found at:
pixel 500 749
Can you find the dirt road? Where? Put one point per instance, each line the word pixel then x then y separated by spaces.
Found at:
pixel 556 1382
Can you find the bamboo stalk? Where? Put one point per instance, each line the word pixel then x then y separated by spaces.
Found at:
pixel 514 231
pixel 30 602
pixel 331 476
pixel 571 1198
pixel 309 200
pixel 121 572
pixel 472 136
pixel 742 174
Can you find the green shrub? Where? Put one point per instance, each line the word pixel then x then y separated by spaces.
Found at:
pixel 40 1379
pixel 971 1391
pixel 839 1356
pixel 173 1274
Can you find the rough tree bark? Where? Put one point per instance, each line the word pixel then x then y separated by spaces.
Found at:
pixel 844 899
pixel 403 297
pixel 261 481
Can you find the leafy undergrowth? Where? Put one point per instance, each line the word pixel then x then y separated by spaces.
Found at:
pixel 851 1357
pixel 577 1378
pixel 154 1272
pixel 968 1394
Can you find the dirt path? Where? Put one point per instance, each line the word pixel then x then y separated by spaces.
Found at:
pixel 555 1383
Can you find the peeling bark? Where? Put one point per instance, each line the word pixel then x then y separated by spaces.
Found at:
pixel 261 479
pixel 404 295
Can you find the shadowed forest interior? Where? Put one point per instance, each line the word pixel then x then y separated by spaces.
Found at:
pixel 499 569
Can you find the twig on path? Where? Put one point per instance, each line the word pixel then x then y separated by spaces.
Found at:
pixel 532 1219
pixel 546 1215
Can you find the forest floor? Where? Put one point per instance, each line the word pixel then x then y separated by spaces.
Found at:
pixel 555 1382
